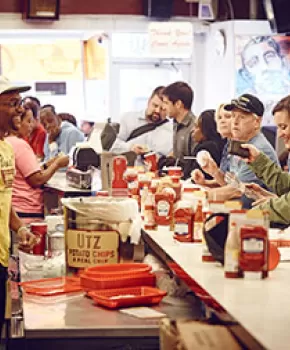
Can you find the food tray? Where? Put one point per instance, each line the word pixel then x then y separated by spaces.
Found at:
pixel 126 297
pixel 91 283
pixel 52 286
pixel 112 270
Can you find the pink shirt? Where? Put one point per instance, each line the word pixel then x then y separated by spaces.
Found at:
pixel 25 199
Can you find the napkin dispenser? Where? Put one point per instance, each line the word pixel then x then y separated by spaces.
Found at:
pixel 85 157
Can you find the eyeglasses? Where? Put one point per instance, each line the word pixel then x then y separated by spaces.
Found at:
pixel 12 104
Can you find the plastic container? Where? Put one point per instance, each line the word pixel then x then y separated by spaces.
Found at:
pixel 52 286
pixel 92 283
pixel 127 297
pixel 116 270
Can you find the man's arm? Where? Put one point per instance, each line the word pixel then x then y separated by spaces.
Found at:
pixel 120 145
pixel 271 174
pixel 15 221
pixel 26 239
pixel 223 193
pixel 278 208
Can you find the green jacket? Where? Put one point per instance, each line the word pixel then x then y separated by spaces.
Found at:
pixel 279 181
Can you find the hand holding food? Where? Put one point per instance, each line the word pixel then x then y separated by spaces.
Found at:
pixel 198 177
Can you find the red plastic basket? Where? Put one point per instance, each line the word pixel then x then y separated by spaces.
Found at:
pixel 52 286
pixel 91 283
pixel 112 270
pixel 126 297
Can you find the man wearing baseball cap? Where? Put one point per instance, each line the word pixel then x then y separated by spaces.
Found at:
pixel 10 112
pixel 247 112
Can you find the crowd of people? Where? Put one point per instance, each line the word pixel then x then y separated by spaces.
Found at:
pixel 35 142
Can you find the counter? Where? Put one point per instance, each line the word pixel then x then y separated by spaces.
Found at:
pixel 76 322
pixel 58 183
pixel 260 306
pixel 57 188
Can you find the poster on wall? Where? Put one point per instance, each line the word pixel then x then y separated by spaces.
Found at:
pixel 263 69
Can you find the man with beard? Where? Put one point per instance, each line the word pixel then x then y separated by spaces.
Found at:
pixel 10 112
pixel 142 132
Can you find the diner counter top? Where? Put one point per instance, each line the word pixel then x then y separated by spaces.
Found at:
pixel 260 306
pixel 77 316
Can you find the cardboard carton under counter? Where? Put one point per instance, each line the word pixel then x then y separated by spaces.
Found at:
pixel 188 335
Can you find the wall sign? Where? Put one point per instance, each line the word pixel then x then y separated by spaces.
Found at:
pixel 88 248
pixel 171 39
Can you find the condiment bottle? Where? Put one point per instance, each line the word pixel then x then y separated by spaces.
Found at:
pixel 232 247
pixel 254 250
pixel 132 180
pixel 143 196
pixel 119 184
pixel 183 223
pixel 205 253
pixel 164 208
pixel 198 223
pixel 177 187
pixel 149 212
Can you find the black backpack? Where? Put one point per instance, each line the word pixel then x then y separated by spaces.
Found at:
pixel 216 236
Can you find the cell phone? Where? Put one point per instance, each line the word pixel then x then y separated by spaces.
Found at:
pixel 236 149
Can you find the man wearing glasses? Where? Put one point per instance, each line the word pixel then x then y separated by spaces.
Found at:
pixel 10 112
pixel 247 112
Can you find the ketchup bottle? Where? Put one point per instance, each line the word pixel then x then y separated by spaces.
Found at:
pixel 164 208
pixel 149 212
pixel 198 223
pixel 183 224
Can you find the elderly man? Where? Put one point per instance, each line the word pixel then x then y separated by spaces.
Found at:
pixel 10 111
pixel 247 112
pixel 61 135
pixel 140 132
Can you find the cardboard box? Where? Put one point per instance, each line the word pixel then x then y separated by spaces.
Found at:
pixel 89 248
pixel 188 335
pixel 86 245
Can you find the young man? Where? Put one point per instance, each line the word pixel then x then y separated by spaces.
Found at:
pixel 10 111
pixel 177 100
pixel 61 135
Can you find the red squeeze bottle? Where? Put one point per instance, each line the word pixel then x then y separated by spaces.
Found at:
pixel 119 169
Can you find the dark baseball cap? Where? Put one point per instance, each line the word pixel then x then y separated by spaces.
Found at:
pixel 247 103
